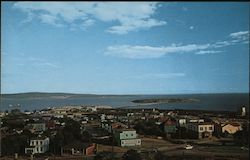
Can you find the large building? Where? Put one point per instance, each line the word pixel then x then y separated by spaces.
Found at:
pixel 78 148
pixel 200 130
pixel 126 137
pixel 38 145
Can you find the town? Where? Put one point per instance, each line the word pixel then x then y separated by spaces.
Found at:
pixel 103 132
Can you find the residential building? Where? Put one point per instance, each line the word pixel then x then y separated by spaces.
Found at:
pixel 181 122
pixel 111 126
pixel 37 127
pixel 200 130
pixel 78 148
pixel 38 145
pixel 170 126
pixel 243 111
pixel 230 128
pixel 126 137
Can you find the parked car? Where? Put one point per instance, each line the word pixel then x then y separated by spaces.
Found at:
pixel 244 148
pixel 188 146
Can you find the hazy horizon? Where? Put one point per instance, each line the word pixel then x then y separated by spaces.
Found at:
pixel 125 47
pixel 127 93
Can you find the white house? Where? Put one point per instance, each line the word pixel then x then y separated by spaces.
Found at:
pixel 127 137
pixel 201 130
pixel 38 145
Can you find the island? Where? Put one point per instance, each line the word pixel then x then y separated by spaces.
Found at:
pixel 164 100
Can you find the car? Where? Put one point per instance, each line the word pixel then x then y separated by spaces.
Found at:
pixel 188 146
pixel 244 148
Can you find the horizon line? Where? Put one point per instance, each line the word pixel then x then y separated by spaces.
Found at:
pixel 126 93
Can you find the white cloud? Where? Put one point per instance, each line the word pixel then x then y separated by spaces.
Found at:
pixel 191 27
pixel 88 22
pixel 207 52
pixel 159 76
pixel 240 34
pixel 41 62
pixel 135 25
pixel 142 52
pixel 135 52
pixel 130 16
pixel 184 9
pixel 22 60
pixel 45 64
pixel 222 44
pixel 48 19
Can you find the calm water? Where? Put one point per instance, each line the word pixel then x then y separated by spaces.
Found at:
pixel 227 102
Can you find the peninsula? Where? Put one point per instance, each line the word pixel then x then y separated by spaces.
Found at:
pixel 165 100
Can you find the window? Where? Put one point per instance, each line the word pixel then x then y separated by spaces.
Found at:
pixel 205 128
pixel 126 135
pixel 201 128
pixel 131 134
pixel 210 128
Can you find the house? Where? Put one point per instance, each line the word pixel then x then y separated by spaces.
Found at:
pixel 38 145
pixel 51 124
pixel 195 120
pixel 126 137
pixel 181 122
pixel 91 108
pixel 169 126
pixel 230 128
pixel 200 129
pixel 111 126
pixel 78 148
pixel 37 127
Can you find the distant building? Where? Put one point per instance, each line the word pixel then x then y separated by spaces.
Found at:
pixel 126 137
pixel 91 109
pixel 170 126
pixel 181 122
pixel 38 145
pixel 50 124
pixel 37 127
pixel 200 130
pixel 78 148
pixel 195 120
pixel 230 128
pixel 111 126
pixel 243 111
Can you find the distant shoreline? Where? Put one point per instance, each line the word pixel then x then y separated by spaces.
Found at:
pixel 107 94
pixel 38 101
pixel 164 100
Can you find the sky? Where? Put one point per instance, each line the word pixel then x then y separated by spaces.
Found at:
pixel 125 47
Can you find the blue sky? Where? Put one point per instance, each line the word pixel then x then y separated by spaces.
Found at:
pixel 125 48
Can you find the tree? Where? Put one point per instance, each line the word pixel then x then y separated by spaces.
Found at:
pixel 86 137
pixel 148 128
pixel 159 156
pixel 131 155
pixel 14 144
pixel 56 143
pixel 103 156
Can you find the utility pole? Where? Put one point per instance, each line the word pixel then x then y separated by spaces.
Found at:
pixel 112 142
